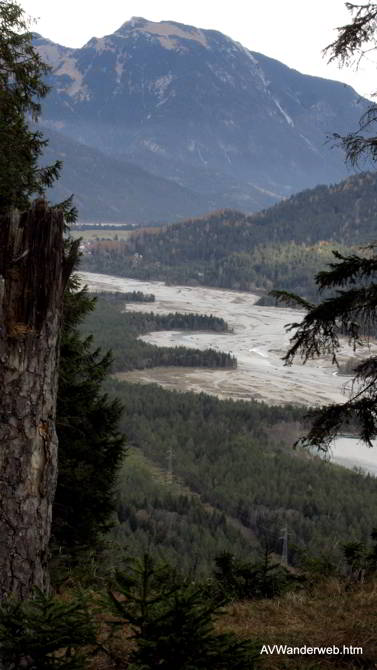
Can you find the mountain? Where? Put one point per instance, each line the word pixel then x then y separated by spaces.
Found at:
pixel 343 213
pixel 196 108
pixel 114 190
pixel 281 247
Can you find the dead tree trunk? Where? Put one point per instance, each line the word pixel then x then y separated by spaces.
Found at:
pixel 32 278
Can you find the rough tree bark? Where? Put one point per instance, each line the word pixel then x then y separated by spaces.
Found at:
pixel 32 280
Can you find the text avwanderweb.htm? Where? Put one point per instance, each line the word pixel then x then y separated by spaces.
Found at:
pixel 305 649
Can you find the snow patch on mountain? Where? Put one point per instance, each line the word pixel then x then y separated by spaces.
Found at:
pixel 198 149
pixel 77 88
pixel 222 74
pixel 309 143
pixel 153 146
pixel 119 68
pixel 227 149
pixel 283 112
pixel 246 52
pixel 273 194
pixel 195 147
pixel 257 70
pixel 161 84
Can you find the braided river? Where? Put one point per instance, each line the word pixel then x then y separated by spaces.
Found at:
pixel 258 338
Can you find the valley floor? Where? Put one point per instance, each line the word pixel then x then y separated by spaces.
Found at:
pixel 258 340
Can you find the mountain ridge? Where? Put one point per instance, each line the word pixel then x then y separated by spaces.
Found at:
pixel 194 107
pixel 283 247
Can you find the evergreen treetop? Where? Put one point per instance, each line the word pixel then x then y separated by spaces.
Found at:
pixel 352 310
pixel 354 41
pixel 90 444
pixel 22 87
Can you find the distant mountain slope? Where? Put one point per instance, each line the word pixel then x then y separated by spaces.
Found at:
pixel 283 246
pixel 199 109
pixel 108 189
pixel 344 213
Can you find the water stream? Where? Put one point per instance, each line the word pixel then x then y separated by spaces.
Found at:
pixel 258 339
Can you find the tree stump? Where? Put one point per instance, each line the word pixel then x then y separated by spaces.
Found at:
pixel 32 279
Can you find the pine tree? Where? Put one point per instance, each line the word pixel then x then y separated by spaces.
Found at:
pixel 90 444
pixel 173 623
pixel 46 633
pixel 22 86
pixel 352 311
pixel 34 267
pixel 354 41
pixel 35 264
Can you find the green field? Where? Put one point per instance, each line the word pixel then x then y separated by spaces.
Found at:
pixel 102 234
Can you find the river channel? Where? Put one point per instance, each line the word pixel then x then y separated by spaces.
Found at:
pixel 258 339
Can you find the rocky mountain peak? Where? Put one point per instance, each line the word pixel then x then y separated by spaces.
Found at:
pixel 168 33
pixel 200 110
pixel 51 53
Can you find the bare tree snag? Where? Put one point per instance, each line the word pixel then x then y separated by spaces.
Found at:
pixel 32 279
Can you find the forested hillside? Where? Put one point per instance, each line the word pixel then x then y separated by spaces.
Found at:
pixel 281 247
pixel 238 458
pixel 205 475
pixel 343 213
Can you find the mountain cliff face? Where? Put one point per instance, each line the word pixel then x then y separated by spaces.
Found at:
pixel 196 108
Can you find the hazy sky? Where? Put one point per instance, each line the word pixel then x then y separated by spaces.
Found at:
pixel 293 31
